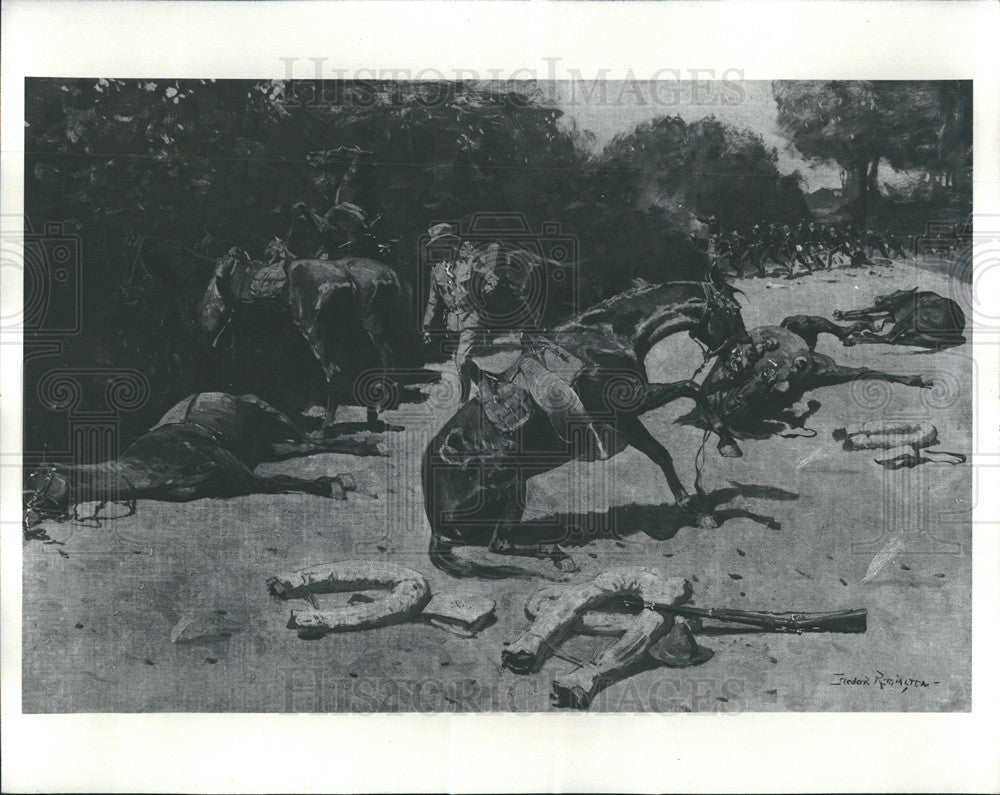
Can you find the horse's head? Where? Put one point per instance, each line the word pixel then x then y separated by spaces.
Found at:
pixel 47 495
pixel 217 302
pixel 772 374
pixel 892 301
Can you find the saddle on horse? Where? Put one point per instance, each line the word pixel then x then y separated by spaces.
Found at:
pixel 514 379
pixel 252 280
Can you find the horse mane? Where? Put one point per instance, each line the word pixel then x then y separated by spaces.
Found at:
pixel 607 305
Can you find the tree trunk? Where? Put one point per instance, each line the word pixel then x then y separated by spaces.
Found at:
pixel 863 193
pixel 867 187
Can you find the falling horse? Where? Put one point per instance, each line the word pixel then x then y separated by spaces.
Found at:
pixel 764 397
pixel 476 468
pixel 208 445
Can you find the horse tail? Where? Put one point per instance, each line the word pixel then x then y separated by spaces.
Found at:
pixel 443 558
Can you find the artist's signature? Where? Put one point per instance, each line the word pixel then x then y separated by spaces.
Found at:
pixel 882 681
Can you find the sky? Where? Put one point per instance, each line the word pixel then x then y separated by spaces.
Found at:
pixel 745 104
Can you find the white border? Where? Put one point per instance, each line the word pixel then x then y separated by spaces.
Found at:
pixel 217 753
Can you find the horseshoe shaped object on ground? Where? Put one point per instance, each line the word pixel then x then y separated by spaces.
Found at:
pixel 407 595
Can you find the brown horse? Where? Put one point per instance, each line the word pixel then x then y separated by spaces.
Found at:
pixel 919 318
pixel 208 445
pixel 771 390
pixel 354 313
pixel 475 472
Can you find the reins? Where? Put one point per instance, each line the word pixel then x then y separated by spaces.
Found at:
pixel 56 514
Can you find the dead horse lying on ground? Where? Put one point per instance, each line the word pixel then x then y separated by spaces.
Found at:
pixel 777 381
pixel 923 319
pixel 475 473
pixel 208 445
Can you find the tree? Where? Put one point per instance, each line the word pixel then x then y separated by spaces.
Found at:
pixel 955 136
pixel 858 124
pixel 709 166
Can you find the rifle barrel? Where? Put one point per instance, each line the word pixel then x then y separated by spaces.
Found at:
pixel 835 621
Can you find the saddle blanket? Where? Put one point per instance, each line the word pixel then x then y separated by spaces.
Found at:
pixel 545 378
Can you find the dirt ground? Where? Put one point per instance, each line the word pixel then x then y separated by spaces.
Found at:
pixel 802 521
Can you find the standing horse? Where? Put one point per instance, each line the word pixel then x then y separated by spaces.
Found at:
pixel 475 470
pixel 354 314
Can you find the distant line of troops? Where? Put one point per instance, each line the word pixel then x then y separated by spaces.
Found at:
pixel 811 246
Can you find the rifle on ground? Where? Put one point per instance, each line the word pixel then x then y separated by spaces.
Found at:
pixel 835 621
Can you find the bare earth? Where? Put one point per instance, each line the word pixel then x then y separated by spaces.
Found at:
pixel 802 521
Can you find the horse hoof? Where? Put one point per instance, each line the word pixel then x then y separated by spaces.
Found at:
pixel 335 489
pixel 707 521
pixel 566 564
pixel 730 450
pixel 838 315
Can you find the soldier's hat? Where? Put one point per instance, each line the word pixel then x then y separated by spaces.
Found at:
pixel 440 232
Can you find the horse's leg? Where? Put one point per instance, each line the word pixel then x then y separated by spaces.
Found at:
pixel 826 372
pixel 330 410
pixel 228 476
pixel 642 440
pixel 533 540
pixel 348 445
pixel 660 394
pixel 503 499
pixel 869 313
pixel 866 336
pixel 495 512
pixel 911 337
pixel 288 484
pixel 925 340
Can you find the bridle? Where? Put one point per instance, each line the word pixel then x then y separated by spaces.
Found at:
pixel 38 496
pixel 716 300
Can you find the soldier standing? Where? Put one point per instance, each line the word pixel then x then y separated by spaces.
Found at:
pixel 451 295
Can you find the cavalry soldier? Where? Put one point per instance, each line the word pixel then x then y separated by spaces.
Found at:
pixel 345 228
pixel 452 293
pixel 737 251
pixel 756 249
pixel 895 244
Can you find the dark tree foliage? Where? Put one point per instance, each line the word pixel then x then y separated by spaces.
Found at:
pixel 860 123
pixel 160 177
pixel 709 166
